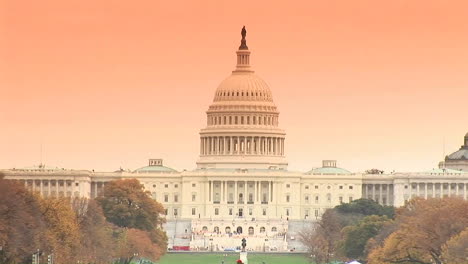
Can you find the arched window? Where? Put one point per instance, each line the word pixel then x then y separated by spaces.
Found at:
pixel 205 228
pixel 227 230
pixel 262 229
pixel 216 229
pixel 273 229
pixel 239 230
pixel 251 230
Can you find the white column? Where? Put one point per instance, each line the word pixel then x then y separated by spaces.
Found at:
pixel 388 194
pixel 449 189
pixel 230 145
pixel 225 146
pixel 245 191
pixel 235 192
pixel 425 190
pixel 380 193
pixel 456 190
pixel 417 190
pixel 373 192
pixel 433 190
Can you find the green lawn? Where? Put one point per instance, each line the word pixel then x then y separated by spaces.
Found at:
pixel 217 258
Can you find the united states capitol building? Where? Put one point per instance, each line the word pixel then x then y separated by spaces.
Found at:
pixel 242 186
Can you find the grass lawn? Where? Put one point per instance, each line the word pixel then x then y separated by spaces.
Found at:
pixel 217 258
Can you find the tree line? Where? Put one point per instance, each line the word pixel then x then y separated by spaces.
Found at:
pixel 424 231
pixel 123 224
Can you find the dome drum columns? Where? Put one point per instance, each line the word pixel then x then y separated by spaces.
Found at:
pixel 242 145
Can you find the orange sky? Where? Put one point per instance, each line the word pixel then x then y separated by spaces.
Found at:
pixel 104 84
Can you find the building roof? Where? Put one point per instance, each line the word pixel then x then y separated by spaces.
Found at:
pixel 154 169
pixel 329 170
pixel 458 155
pixel 243 86
pixel 443 171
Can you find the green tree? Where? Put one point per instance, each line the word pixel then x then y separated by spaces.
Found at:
pixel 366 207
pixel 357 236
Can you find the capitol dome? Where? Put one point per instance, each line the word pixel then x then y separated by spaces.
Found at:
pixel 243 86
pixel 242 129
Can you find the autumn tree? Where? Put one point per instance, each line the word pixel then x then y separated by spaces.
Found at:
pixel 424 228
pixel 322 238
pixel 97 244
pixel 21 224
pixel 127 205
pixel 135 243
pixel 63 232
pixel 455 251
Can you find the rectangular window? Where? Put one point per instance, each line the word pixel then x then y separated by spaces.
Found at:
pixel 316 199
pixel 307 187
pixel 287 212
pixel 176 198
pixel 264 211
pixel 176 185
pixel 230 211
pixel 166 185
pixel 250 211
pixel 341 187
pixel 288 185
pixel 166 198
pixel 194 197
pixel 316 213
pixel 350 187
pixel 175 212
pixel 288 198
pixel 194 185
pixel 341 199
pixel 194 211
pixel 307 198
pixel 350 199
pixel 316 186
pixel 216 211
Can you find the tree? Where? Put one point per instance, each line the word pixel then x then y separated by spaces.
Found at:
pixel 424 228
pixel 455 250
pixel 21 223
pixel 366 207
pixel 322 239
pixel 96 242
pixel 126 204
pixel 357 236
pixel 63 232
pixel 137 243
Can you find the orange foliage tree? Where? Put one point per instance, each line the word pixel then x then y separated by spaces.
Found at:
pixel 424 226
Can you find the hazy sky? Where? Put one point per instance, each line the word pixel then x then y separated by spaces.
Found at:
pixel 104 84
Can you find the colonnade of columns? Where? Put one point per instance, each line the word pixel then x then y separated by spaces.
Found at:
pixel 54 188
pixel 385 194
pixel 437 189
pixel 242 145
pixel 240 192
